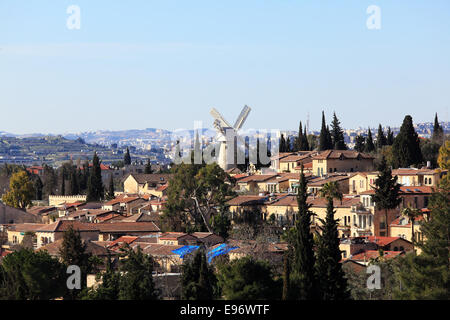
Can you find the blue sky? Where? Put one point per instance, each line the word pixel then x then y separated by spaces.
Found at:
pixel 164 64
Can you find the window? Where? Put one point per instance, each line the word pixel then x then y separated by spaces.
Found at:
pixel 331 170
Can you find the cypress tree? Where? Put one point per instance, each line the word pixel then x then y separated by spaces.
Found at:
pixel 381 139
pixel 73 252
pixel 305 141
pixel 127 158
pixel 389 137
pixel 63 182
pixel 331 277
pixel 38 185
pixel 74 184
pixel 329 139
pixel 337 134
pixel 95 184
pixel 148 167
pixel 323 138
pixel 110 195
pixel 387 190
pixel 198 279
pixel 288 145
pixel 370 147
pixel 302 277
pixel 438 132
pixel 282 144
pixel 406 148
pixel 360 143
pixel 299 141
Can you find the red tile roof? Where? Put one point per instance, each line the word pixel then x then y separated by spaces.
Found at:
pixel 63 225
pixel 382 241
pixel 373 254
pixel 345 154
pixel 127 227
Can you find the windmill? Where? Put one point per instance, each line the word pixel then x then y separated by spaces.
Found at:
pixel 223 127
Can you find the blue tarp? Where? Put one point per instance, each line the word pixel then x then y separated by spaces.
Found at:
pixel 222 249
pixel 185 250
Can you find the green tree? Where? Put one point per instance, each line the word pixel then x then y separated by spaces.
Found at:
pixel 406 147
pixel 389 137
pixel 136 281
pixel 337 134
pixel 381 139
pixel 127 158
pixel 387 190
pixel 283 146
pixel 63 182
pixel 109 287
pixel 324 138
pixel 74 184
pixel 360 143
pixel 110 194
pixel 95 184
pixel 430 151
pixel 331 277
pixel 73 252
pixel 194 194
pixel 148 167
pixel 426 276
pixel 221 224
pixel 247 279
pixel 438 132
pixel 369 146
pixel 302 277
pixel 21 191
pixel 28 275
pixel 198 279
pixel 331 190
pixel 38 185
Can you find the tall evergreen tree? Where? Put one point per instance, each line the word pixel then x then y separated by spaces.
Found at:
pixel 305 143
pixel 287 257
pixel 360 143
pixel 324 138
pixel 438 132
pixel 329 138
pixel 406 148
pixel 389 137
pixel 127 157
pixel 73 252
pixel 198 279
pixel 95 184
pixel 74 184
pixel 369 147
pixel 302 277
pixel 148 167
pixel 387 190
pixel 298 141
pixel 282 144
pixel 63 182
pixel 337 134
pixel 110 194
pixel 381 139
pixel 427 275
pixel 136 281
pixel 38 185
pixel 331 277
pixel 288 145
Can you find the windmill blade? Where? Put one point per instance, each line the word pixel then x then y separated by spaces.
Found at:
pixel 216 115
pixel 241 119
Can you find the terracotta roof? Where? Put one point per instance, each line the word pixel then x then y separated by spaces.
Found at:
pixel 157 249
pixel 257 178
pixel 345 154
pixel 321 181
pixel 247 200
pixel 291 200
pixel 40 209
pixel 123 239
pixel 408 190
pixel 373 254
pixel 383 241
pixel 26 227
pixel 91 247
pixel 413 171
pixel 127 227
pixel 172 235
pixel 63 225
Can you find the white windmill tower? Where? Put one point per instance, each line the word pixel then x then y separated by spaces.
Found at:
pixel 227 140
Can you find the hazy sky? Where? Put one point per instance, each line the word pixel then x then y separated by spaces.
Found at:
pixel 140 64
